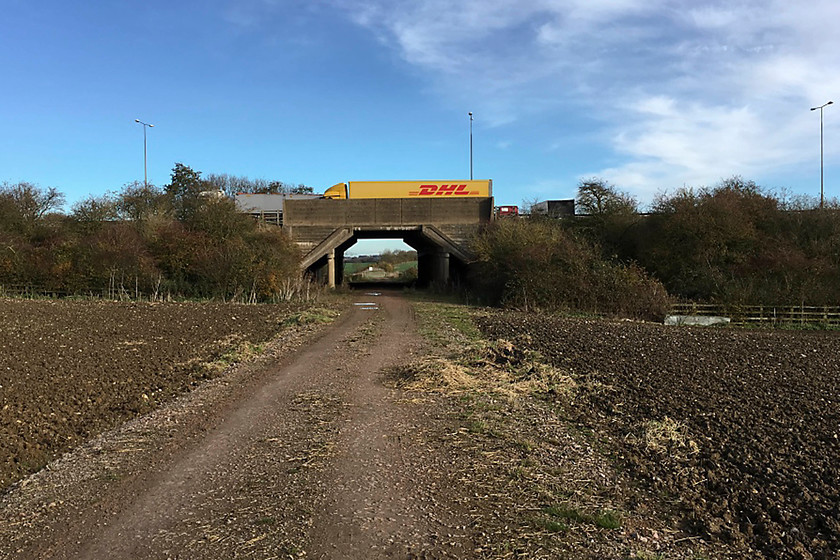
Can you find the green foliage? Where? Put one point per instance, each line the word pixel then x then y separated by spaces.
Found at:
pixel 397 257
pixel 538 264
pixel 607 519
pixel 409 274
pixel 185 191
pixel 386 266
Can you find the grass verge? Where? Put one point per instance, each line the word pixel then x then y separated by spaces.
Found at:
pixel 545 486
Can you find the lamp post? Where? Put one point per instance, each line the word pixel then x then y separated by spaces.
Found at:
pixel 145 174
pixel 822 192
pixel 471 147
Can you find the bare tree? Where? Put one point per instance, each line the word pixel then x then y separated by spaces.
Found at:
pixel 596 196
pixel 32 201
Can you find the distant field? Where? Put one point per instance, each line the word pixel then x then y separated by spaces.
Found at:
pixel 354 268
pixel 351 268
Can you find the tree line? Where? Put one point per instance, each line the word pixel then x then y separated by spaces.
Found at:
pixel 183 240
pixel 734 243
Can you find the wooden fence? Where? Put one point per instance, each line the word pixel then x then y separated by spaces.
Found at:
pixel 767 315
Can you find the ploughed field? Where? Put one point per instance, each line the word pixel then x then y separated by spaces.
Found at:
pixel 71 369
pixel 737 428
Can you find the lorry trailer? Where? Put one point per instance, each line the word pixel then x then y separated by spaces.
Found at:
pixel 410 189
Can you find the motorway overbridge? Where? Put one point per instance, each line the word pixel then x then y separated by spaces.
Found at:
pixel 439 229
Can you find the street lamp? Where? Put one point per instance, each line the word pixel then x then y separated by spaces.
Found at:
pixel 821 107
pixel 145 126
pixel 471 147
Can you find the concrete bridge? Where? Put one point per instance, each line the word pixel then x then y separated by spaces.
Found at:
pixel 439 230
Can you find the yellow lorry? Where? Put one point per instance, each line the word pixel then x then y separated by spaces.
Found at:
pixel 410 189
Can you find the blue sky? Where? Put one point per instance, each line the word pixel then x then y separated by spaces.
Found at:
pixel 649 94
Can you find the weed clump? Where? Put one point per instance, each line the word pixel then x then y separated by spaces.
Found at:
pixel 500 367
pixel 666 436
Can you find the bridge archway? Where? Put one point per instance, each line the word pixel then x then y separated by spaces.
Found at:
pixel 439 261
pixel 438 229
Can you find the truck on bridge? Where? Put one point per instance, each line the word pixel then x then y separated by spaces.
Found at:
pixel 410 189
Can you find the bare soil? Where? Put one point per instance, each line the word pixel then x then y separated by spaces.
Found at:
pixel 71 369
pixel 403 431
pixel 738 428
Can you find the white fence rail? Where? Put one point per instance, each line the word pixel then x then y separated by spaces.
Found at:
pixel 768 315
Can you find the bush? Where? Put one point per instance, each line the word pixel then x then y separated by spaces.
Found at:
pixel 537 264
pixel 175 242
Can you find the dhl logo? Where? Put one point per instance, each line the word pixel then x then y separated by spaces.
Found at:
pixel 443 190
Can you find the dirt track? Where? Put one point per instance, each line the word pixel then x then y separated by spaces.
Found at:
pixel 313 454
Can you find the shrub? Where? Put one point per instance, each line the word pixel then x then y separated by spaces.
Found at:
pixel 537 264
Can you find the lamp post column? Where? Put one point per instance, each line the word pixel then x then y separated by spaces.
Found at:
pixel 145 173
pixel 471 147
pixel 822 187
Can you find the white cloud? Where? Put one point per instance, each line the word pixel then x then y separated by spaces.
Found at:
pixel 686 91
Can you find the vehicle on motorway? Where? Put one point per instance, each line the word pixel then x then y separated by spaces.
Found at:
pixel 410 189
pixel 507 211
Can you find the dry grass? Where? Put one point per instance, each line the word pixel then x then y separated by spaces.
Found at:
pixel 497 368
pixel 549 482
pixel 667 436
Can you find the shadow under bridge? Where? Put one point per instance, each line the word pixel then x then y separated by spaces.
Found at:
pixel 438 229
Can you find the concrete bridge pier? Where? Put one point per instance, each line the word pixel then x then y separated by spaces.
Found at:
pixel 433 267
pixel 442 267
pixel 331 279
pixel 331 269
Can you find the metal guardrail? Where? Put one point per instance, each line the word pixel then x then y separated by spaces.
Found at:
pixel 274 217
pixel 769 315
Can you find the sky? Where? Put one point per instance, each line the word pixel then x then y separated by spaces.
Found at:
pixel 650 95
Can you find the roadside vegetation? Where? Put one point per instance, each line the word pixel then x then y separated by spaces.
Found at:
pixel 539 264
pixel 733 244
pixel 185 240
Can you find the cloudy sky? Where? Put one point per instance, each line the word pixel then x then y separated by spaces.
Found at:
pixel 649 94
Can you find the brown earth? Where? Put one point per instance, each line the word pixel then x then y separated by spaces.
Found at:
pixel 739 428
pixel 70 369
pixel 299 453
pixel 398 432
